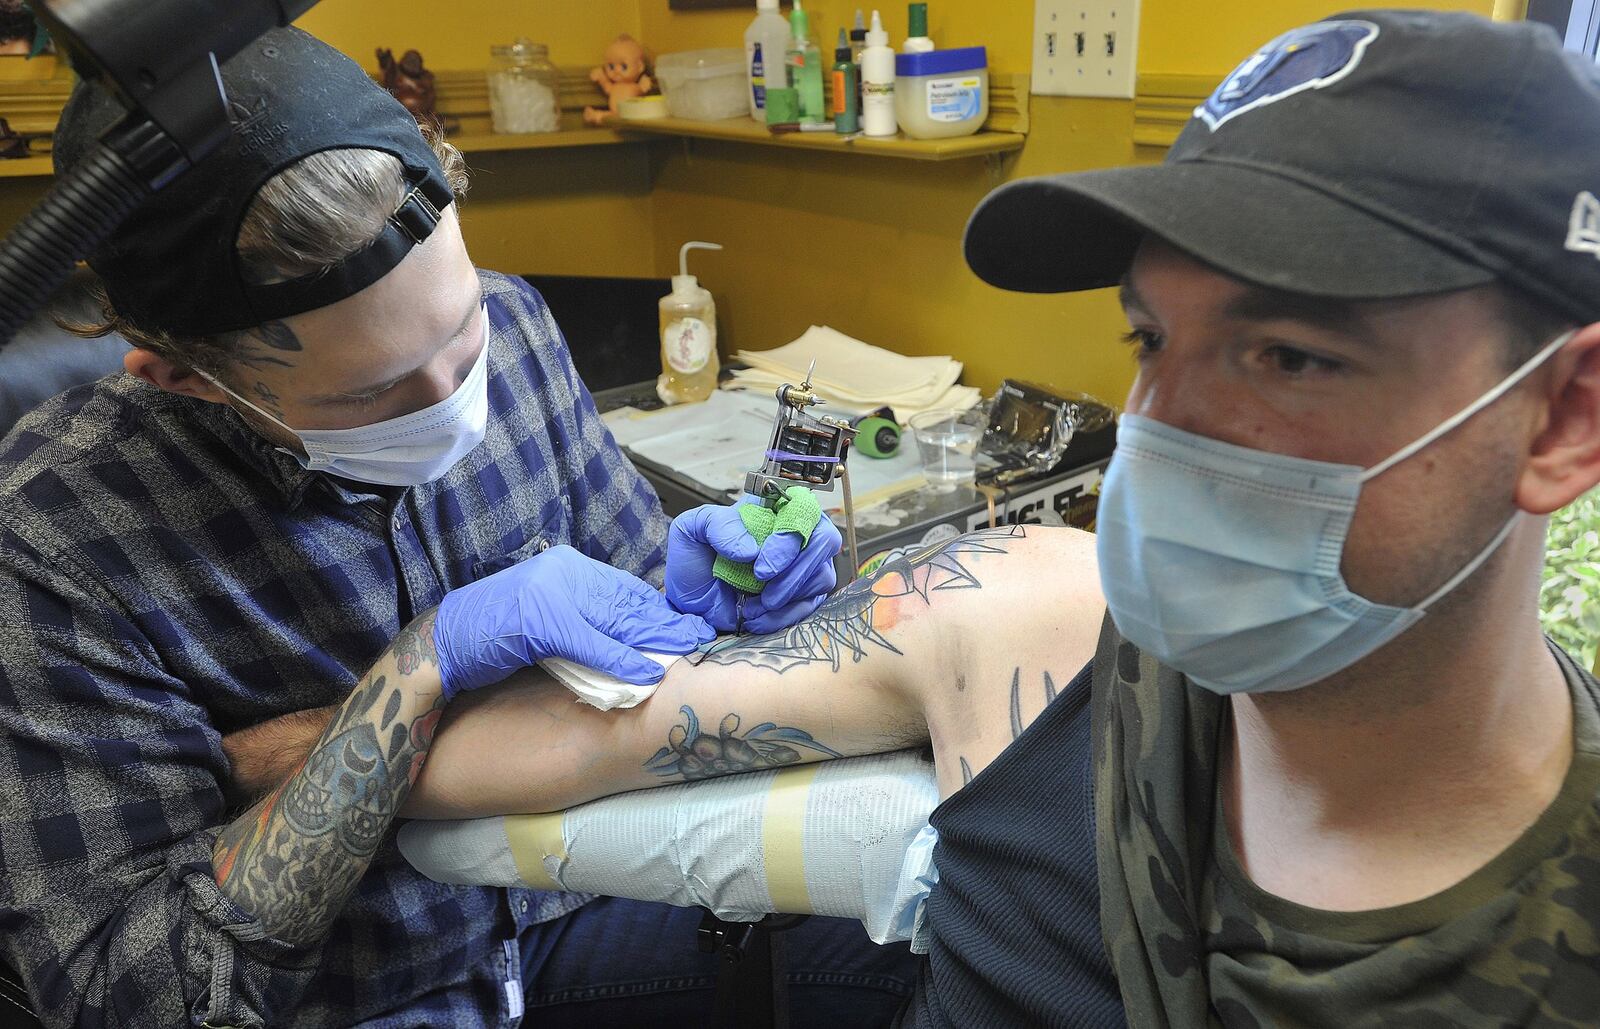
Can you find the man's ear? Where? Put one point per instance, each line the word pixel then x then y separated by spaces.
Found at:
pixel 163 374
pixel 1564 462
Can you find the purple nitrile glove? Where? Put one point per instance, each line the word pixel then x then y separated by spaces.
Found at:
pixel 798 577
pixel 558 604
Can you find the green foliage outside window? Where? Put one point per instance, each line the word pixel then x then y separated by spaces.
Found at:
pixel 1569 600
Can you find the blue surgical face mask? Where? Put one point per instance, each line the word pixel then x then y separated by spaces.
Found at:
pixel 406 451
pixel 1222 561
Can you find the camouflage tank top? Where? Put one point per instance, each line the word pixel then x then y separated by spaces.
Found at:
pixel 1195 943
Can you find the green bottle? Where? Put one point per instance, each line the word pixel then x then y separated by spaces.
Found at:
pixel 846 97
pixel 805 67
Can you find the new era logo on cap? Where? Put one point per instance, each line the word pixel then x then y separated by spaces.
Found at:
pixel 1583 227
pixel 1309 57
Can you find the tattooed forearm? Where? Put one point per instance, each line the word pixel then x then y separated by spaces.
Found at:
pixel 694 754
pixel 843 626
pixel 294 858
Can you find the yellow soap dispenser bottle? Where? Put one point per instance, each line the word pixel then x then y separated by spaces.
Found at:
pixel 689 363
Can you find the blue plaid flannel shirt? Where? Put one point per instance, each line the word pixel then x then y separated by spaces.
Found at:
pixel 167 577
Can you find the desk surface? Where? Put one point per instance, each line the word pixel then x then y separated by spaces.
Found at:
pixel 902 520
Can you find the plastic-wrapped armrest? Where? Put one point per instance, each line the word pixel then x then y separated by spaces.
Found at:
pixel 848 838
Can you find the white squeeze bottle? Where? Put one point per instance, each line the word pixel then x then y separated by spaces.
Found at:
pixel 689 362
pixel 766 45
pixel 877 82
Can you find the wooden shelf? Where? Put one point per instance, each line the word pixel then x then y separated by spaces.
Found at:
pixel 20 167
pixel 469 143
pixel 1005 130
pixel 745 130
pixel 464 97
pixel 482 142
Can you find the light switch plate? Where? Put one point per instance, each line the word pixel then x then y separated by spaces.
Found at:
pixel 1085 47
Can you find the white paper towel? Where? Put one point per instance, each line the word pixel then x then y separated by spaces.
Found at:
pixel 601 690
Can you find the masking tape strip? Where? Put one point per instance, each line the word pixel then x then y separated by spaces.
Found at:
pixel 827 838
pixel 862 815
pixel 533 838
pixel 783 837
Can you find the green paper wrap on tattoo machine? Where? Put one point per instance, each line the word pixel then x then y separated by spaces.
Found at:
pixel 797 511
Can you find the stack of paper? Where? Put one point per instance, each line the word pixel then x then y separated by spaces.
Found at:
pixel 856 377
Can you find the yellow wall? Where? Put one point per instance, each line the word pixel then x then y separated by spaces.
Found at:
pixel 458 34
pixel 869 245
pixel 872 246
pixel 556 212
pixel 1210 38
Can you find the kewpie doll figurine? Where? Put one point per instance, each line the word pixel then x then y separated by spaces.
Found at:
pixel 621 77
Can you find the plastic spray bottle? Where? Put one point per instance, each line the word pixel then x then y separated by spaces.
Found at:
pixel 805 67
pixel 689 363
pixel 917 41
pixel 766 47
pixel 846 106
pixel 877 83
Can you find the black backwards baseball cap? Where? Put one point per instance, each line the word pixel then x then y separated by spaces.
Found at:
pixel 173 265
pixel 1375 154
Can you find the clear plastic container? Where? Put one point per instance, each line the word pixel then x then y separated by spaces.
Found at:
pixel 948 443
pixel 942 93
pixel 705 85
pixel 524 88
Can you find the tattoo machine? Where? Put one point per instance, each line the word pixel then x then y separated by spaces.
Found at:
pixel 806 450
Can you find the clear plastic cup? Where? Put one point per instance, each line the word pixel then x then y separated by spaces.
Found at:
pixel 948 442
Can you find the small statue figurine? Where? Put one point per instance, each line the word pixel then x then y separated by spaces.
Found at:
pixel 620 78
pixel 410 83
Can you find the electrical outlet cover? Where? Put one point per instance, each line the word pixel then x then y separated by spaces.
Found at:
pixel 1085 47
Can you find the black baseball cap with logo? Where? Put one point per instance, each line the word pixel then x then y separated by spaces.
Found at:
pixel 174 265
pixel 1375 154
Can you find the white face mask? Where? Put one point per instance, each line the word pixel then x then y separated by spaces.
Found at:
pixel 1223 562
pixel 406 451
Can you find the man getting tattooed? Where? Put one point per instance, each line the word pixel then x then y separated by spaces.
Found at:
pixel 1318 765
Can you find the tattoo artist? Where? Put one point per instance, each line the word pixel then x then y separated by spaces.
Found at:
pixel 347 477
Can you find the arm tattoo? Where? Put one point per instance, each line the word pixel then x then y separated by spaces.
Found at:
pixel 694 754
pixel 1017 725
pixel 843 627
pixel 1016 703
pixel 1050 692
pixel 294 858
